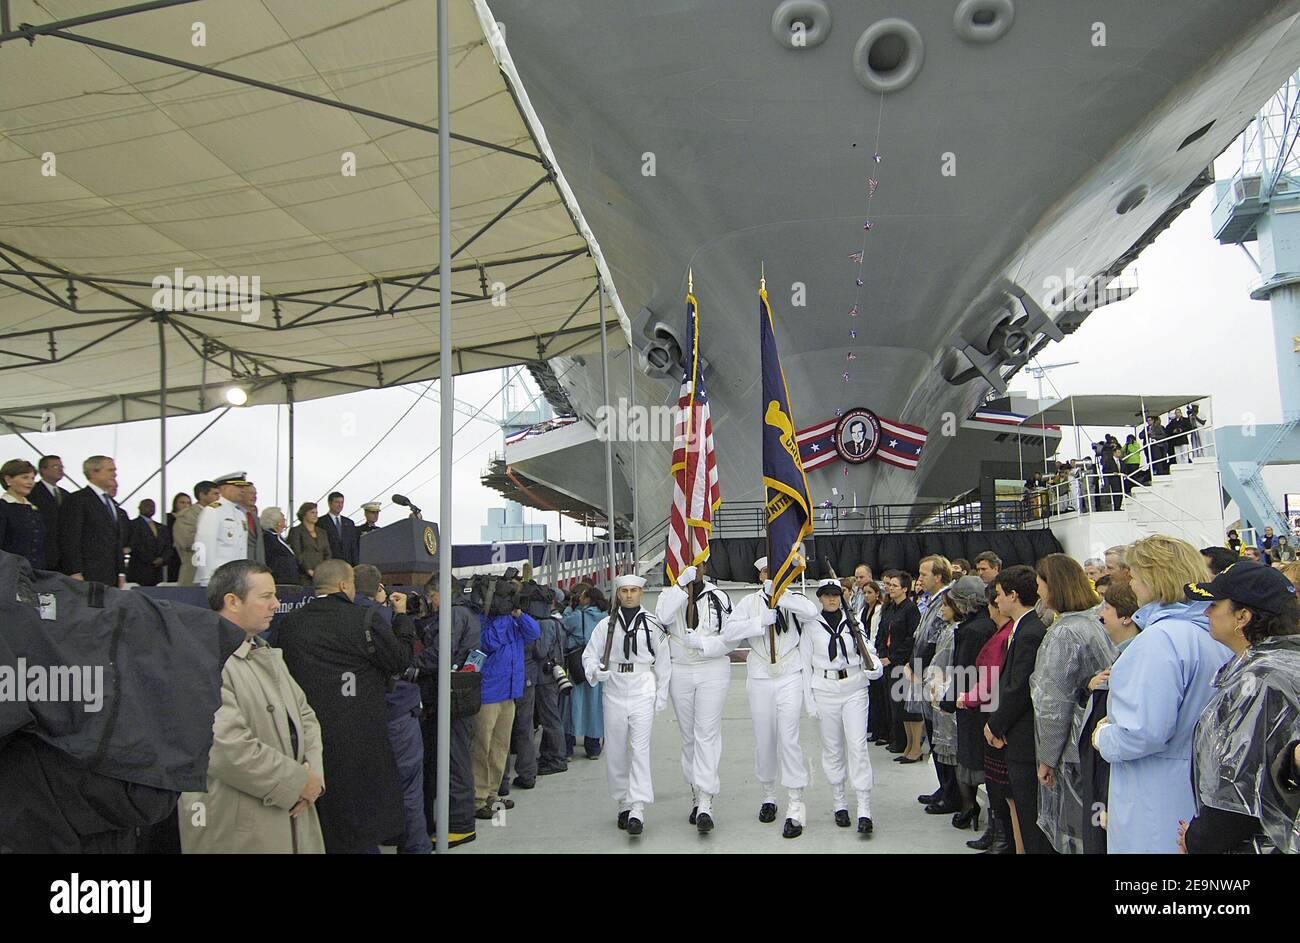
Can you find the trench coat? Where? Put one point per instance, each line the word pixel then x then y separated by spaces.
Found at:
pixel 261 736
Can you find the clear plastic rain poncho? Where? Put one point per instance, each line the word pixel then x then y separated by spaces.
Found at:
pixel 1252 717
pixel 938 681
pixel 1075 648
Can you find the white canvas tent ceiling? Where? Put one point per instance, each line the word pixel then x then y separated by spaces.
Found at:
pixel 1108 409
pixel 158 168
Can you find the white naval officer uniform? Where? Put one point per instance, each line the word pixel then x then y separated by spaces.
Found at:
pixel 835 692
pixel 775 686
pixel 221 536
pixel 700 678
pixel 635 688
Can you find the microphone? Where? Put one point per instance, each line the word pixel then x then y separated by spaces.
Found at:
pixel 405 502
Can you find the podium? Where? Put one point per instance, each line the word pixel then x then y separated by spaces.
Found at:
pixel 406 553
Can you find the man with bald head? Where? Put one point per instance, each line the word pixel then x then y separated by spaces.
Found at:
pixel 342 656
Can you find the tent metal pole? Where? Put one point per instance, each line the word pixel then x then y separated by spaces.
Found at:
pixel 288 397
pixel 162 416
pixel 636 491
pixel 446 422
pixel 609 439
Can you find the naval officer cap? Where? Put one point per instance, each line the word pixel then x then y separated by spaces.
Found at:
pixel 760 564
pixel 831 587
pixel 237 479
pixel 629 579
pixel 371 506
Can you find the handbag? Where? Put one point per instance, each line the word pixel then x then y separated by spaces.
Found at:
pixel 573 657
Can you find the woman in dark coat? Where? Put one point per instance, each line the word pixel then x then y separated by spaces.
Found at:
pixel 978 700
pixel 149 543
pixel 972 633
pixel 898 622
pixel 1118 606
pixel 22 528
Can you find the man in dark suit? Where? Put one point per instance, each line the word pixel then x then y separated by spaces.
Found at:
pixel 344 666
pixel 48 498
pixel 1012 724
pixel 345 541
pixel 92 526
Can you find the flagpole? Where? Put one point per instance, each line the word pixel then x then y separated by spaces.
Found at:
pixel 692 613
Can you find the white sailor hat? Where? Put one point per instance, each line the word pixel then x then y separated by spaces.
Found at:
pixel 760 564
pixel 238 478
pixel 371 506
pixel 830 586
pixel 629 579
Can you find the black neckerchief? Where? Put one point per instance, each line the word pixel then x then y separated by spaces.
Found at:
pixel 633 620
pixel 836 623
pixel 781 624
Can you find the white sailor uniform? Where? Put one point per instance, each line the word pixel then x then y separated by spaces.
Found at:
pixel 775 686
pixel 835 691
pixel 221 536
pixel 635 689
pixel 701 676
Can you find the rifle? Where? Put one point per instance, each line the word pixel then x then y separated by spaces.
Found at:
pixel 859 641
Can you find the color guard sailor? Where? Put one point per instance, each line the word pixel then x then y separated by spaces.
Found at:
pixel 701 676
pixel 222 531
pixel 628 652
pixel 839 660
pixel 775 686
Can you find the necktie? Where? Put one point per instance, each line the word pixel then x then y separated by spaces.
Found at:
pixel 112 512
pixel 835 625
pixel 630 628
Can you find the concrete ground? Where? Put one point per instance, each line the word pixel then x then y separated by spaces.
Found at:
pixel 572 811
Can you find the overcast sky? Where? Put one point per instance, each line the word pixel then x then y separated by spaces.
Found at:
pixel 1190 329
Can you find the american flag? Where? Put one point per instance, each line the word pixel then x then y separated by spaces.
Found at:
pixel 696 494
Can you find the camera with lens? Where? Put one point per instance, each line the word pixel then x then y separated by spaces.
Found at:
pixel 561 676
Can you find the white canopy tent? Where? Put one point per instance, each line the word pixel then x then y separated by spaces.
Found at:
pixel 119 169
pixel 295 157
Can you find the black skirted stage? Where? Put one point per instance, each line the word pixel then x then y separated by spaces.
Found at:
pixel 732 558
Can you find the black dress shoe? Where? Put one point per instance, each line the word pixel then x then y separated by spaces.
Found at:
pixel 622 819
pixel 704 822
pixel 984 841
pixel 548 770
pixel 767 812
pixel 635 826
pixel 936 808
pixel 523 783
pixel 791 829
pixel 694 812
pixel 931 799
pixel 842 818
pixel 895 748
pixel 864 825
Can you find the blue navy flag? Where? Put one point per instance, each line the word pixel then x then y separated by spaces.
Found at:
pixel 789 505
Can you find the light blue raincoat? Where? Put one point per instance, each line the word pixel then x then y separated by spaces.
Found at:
pixel 1158 688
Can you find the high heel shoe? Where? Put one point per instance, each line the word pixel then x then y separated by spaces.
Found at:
pixel 968 819
pixel 904 759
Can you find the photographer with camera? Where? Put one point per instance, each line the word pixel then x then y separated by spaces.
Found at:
pixel 403 709
pixel 506 630
pixel 465 633
pixel 554 685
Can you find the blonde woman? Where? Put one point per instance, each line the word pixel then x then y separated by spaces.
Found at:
pixel 1158 688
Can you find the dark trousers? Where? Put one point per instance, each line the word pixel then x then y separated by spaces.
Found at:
pixel 408 749
pixel 551 722
pixel 880 720
pixel 1024 793
pixel 897 708
pixel 460 812
pixel 522 745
